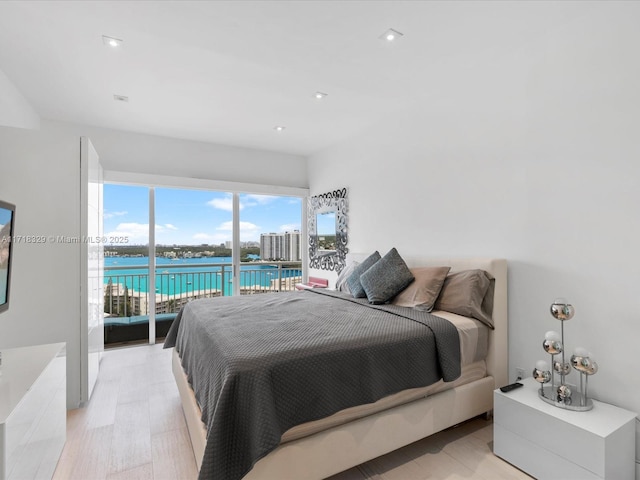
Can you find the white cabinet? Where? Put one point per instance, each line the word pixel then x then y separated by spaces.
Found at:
pixel 33 411
pixel 552 443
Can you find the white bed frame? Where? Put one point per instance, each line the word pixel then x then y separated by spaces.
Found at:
pixel 339 448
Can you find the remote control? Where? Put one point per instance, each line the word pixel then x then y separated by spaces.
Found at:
pixel 508 388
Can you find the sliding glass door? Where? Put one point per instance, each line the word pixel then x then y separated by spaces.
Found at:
pixel 193 248
pixel 201 244
pixel 126 264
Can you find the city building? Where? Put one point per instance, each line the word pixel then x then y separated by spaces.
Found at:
pixel 280 246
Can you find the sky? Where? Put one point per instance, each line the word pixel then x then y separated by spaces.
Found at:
pixel 5 216
pixel 193 217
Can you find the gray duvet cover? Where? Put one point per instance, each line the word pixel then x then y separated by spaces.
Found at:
pixel 262 364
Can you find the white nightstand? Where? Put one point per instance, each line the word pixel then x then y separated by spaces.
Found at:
pixel 552 443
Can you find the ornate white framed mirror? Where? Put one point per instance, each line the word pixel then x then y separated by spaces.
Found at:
pixel 327 227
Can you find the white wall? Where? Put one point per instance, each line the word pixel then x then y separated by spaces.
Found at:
pixel 15 110
pixel 139 153
pixel 534 158
pixel 40 175
pixel 39 172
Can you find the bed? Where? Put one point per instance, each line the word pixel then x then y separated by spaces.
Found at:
pixel 321 447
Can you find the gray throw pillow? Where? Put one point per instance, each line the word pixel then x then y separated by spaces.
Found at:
pixel 386 278
pixel 355 287
pixel 341 281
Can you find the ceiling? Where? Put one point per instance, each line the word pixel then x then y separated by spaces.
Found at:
pixel 228 72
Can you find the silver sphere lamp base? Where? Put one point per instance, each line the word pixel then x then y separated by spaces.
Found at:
pixel 577 402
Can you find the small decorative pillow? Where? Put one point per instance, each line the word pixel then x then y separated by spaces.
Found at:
pixel 341 281
pixel 386 278
pixel 468 293
pixel 423 292
pixel 355 287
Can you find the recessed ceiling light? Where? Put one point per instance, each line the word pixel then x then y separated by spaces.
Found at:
pixel 279 128
pixel 391 35
pixel 111 42
pixel 320 95
pixel 120 98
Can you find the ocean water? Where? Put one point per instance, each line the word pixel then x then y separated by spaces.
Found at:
pixel 189 274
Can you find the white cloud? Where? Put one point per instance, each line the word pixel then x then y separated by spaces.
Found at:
pixel 108 215
pixel 225 203
pixel 249 232
pixel 244 227
pixel 290 227
pixel 137 232
pixel 252 200
pixel 202 236
pixel 170 227
pixel 226 226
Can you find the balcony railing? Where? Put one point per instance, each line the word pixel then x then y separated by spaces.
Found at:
pixel 127 292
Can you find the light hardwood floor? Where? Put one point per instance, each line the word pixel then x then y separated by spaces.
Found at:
pixel 133 428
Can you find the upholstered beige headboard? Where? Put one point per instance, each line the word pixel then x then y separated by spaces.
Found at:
pixel 497 359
